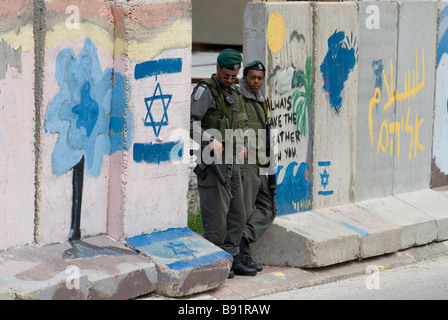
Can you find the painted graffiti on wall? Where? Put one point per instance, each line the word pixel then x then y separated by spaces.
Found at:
pixel 324 168
pixel 290 109
pixel 339 61
pixel 414 83
pixel 440 145
pixel 157 104
pixel 337 70
pixel 90 116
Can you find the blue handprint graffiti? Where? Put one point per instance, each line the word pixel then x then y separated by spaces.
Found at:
pixel 337 65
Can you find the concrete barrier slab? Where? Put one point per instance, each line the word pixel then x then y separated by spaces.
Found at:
pixel 433 204
pixel 378 36
pixel 335 103
pixel 186 262
pixel 417 227
pixel 92 268
pixel 414 111
pixel 377 235
pixel 17 124
pixel 306 240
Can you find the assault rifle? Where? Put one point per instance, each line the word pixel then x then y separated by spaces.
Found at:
pixel 272 181
pixel 201 171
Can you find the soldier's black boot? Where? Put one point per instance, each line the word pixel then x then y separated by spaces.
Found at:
pixel 240 269
pixel 245 255
pixel 248 262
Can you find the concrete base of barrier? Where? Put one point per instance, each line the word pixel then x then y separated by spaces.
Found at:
pixel 305 240
pixel 370 228
pixel 186 263
pixel 434 204
pixel 92 268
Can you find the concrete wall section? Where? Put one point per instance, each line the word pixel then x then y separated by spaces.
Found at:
pixel 439 176
pixel 286 50
pixel 378 35
pixel 414 97
pixel 76 109
pixel 335 112
pixel 95 142
pixel 370 131
pixel 16 123
pixel 158 66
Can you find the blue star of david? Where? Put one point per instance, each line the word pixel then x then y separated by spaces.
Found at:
pixel 181 249
pixel 149 120
pixel 324 178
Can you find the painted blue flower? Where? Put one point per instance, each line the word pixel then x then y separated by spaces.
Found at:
pixel 89 113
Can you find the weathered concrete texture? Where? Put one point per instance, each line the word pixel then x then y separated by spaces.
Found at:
pixel 306 240
pixel 415 74
pixel 376 235
pixel 335 98
pixel 378 36
pixel 17 123
pixel 93 268
pixel 417 228
pixel 186 262
pixel 434 205
pixel 356 231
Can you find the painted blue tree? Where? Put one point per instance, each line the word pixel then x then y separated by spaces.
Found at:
pixel 91 118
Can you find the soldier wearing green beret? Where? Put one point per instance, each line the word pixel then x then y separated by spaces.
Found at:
pixel 258 196
pixel 217 104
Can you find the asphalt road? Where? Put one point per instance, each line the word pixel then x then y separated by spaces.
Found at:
pixel 424 280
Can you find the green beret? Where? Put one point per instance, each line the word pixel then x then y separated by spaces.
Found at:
pixel 255 65
pixel 230 59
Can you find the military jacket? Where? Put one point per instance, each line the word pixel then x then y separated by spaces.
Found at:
pixel 217 108
pixel 257 113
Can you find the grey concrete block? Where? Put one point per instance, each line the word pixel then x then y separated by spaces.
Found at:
pixel 417 227
pixel 306 240
pixel 377 235
pixel 432 203
pixel 186 262
pixel 91 268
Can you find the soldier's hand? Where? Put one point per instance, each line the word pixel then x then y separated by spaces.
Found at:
pixel 243 153
pixel 217 148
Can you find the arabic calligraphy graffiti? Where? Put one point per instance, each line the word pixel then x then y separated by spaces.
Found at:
pixel 387 130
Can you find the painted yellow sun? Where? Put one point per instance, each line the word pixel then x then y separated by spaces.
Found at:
pixel 276 32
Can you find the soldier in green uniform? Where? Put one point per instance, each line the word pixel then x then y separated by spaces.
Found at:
pixel 259 198
pixel 217 105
